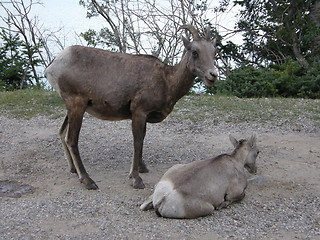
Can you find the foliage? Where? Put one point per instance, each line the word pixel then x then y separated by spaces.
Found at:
pixel 310 82
pixel 280 53
pixel 276 30
pixel 14 65
pixel 247 81
pixel 287 80
pixel 103 38
pixel 23 45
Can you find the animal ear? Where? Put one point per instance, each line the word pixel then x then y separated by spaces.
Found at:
pixel 252 140
pixel 186 43
pixel 233 140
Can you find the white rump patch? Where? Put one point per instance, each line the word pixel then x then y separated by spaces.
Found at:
pixel 168 201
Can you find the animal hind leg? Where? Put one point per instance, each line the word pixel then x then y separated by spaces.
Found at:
pixel 196 207
pixel 139 132
pixel 75 115
pixel 62 133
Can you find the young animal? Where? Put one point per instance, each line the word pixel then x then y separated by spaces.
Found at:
pixel 114 86
pixel 198 188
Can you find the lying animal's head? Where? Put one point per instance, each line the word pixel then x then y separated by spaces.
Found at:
pixel 250 149
pixel 201 56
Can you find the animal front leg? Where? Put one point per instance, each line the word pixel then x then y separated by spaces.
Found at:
pixel 139 132
pixel 235 193
pixel 142 166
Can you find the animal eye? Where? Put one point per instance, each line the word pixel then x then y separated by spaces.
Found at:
pixel 195 54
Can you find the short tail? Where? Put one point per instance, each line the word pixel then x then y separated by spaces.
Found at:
pixel 147 204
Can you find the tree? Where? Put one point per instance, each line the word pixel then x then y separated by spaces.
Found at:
pixel 144 27
pixel 277 29
pixel 14 66
pixel 280 53
pixel 19 21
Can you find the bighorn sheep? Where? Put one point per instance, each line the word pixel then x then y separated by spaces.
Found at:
pixel 114 86
pixel 195 189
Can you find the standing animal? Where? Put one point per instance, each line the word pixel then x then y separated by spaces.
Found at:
pixel 114 86
pixel 198 188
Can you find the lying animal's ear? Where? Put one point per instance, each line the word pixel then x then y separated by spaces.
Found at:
pixel 233 140
pixel 252 140
pixel 186 43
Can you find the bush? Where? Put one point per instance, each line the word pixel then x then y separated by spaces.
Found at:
pixel 310 82
pixel 247 82
pixel 287 80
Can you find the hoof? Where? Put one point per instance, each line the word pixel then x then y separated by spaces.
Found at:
pixel 137 181
pixel 89 184
pixel 138 186
pixel 92 187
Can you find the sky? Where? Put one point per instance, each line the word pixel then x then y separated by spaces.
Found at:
pixel 69 18
pixel 67 15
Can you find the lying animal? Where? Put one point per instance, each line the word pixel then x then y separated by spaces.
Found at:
pixel 198 188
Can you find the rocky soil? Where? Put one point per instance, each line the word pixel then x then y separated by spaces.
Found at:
pixel 40 199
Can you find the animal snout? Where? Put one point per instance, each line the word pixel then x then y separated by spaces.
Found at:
pixel 253 170
pixel 211 77
pixel 213 73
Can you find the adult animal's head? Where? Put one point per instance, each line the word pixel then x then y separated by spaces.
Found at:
pixel 201 56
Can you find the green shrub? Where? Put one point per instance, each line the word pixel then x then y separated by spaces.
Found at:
pixel 287 80
pixel 248 82
pixel 310 82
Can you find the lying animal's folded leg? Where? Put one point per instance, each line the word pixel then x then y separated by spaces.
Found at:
pixel 196 207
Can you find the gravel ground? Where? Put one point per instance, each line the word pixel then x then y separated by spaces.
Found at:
pixel 282 201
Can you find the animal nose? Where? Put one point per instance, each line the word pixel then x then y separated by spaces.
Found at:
pixel 213 73
pixel 211 77
pixel 253 170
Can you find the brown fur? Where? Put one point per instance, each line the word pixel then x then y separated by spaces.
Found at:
pixel 114 86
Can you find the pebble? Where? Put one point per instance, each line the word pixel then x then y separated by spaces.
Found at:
pixel 60 208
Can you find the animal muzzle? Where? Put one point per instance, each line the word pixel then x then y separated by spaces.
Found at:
pixel 210 77
pixel 251 169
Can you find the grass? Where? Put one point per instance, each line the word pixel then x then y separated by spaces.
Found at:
pixel 26 104
pixel 233 109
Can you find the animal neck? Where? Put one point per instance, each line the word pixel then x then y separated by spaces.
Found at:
pixel 180 79
pixel 240 155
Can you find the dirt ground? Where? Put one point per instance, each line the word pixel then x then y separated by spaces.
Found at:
pixel 282 201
